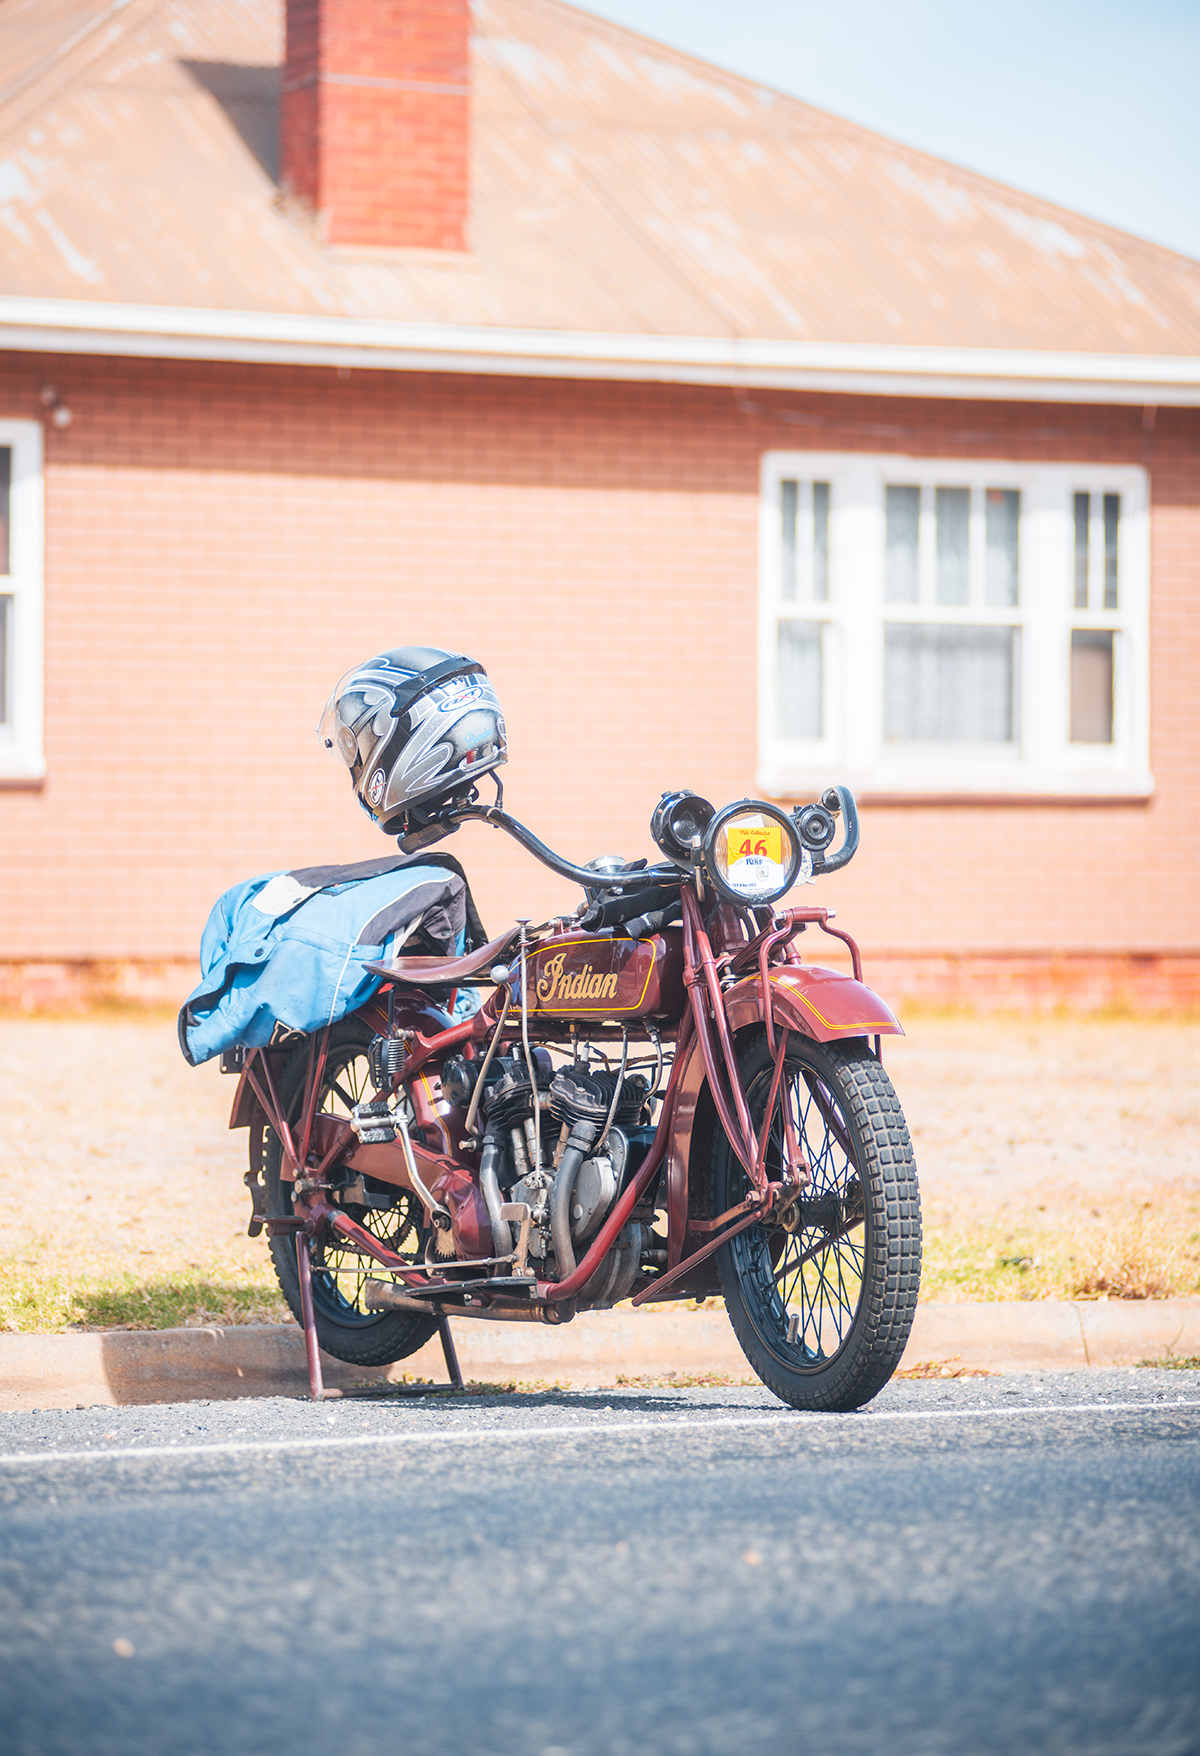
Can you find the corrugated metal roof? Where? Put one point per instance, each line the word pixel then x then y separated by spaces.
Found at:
pixel 618 187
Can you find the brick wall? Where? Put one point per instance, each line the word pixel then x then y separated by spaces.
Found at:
pixel 223 542
pixel 374 126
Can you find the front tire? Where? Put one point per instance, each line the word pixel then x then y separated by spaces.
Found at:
pixel 846 1264
pixel 345 1327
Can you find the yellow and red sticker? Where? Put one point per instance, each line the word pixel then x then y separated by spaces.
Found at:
pixel 745 841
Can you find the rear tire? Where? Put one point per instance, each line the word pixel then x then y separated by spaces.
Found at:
pixel 345 1327
pixel 847 1266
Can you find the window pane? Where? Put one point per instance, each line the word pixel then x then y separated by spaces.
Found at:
pixel 1112 520
pixel 903 515
pixel 1091 685
pixel 1082 515
pixel 1002 518
pixel 5 643
pixel 5 507
pixel 799 680
pixel 821 541
pixel 949 685
pixel 953 509
pixel 787 581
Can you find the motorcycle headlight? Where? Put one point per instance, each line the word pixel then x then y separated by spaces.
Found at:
pixel 752 853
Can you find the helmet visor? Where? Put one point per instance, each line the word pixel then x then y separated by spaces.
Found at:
pixel 356 717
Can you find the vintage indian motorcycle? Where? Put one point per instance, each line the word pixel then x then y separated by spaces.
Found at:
pixel 656 1099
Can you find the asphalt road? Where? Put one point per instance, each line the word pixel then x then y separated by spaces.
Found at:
pixel 1007 1564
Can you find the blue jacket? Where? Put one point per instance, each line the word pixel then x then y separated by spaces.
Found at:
pixel 285 951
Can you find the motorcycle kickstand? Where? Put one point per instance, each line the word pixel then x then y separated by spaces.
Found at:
pixel 448 1349
pixel 316 1384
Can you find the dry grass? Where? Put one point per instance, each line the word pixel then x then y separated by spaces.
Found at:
pixel 121 1182
pixel 1059 1158
pixel 951 1368
pixel 395 1389
pixel 1122 1249
pixel 1143 1255
pixel 682 1381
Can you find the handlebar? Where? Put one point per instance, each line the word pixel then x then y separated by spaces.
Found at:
pixel 590 879
pixel 646 878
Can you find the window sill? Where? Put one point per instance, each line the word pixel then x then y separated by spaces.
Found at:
pixel 1018 787
pixel 21 770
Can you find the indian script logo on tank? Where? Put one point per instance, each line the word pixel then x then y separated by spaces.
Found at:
pixel 556 984
pixel 754 859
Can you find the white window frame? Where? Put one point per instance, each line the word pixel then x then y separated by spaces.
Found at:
pixel 1041 761
pixel 21 755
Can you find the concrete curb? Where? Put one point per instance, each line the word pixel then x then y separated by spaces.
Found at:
pixel 185 1365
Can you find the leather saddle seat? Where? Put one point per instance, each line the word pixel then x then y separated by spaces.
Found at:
pixel 446 972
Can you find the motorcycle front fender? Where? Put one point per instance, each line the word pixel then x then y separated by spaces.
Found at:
pixel 822 1003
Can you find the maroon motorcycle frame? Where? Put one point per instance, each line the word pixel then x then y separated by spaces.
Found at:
pixel 716 979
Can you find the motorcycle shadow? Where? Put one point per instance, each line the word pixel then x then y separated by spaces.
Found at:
pixel 629 1399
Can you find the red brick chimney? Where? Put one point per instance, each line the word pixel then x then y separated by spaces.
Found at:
pixel 374 122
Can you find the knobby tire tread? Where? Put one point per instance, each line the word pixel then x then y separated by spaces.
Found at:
pixel 879 1331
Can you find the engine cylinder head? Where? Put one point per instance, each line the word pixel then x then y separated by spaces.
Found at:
pixel 578 1095
pixel 585 1095
pixel 508 1099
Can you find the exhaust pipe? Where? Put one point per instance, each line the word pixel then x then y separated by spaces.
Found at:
pixel 583 1134
pixel 489 1183
pixel 382 1295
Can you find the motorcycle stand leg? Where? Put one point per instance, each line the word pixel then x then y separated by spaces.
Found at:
pixel 316 1384
pixel 448 1349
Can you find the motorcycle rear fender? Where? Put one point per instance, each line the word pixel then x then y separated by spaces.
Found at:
pixel 246 1109
pixel 410 1011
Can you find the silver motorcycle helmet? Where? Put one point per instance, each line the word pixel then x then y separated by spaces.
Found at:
pixel 413 725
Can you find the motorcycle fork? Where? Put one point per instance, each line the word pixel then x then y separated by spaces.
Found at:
pixel 700 966
pixel 732 1108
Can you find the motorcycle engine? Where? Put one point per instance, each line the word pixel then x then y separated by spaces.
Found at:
pixel 574 1094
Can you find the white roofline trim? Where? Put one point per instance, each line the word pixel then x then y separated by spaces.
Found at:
pixel 278 338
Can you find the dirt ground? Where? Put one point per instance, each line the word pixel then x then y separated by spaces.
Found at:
pixel 116 1158
pixel 1065 1113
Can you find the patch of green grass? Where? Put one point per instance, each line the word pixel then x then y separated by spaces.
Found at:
pixel 1174 1363
pixel 52 1303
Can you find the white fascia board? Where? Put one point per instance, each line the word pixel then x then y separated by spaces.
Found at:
pixel 277 338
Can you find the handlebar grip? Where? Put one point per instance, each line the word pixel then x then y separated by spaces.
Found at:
pixel 620 909
pixel 849 845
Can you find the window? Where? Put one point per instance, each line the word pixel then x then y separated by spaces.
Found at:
pixel 21 601
pixel 950 627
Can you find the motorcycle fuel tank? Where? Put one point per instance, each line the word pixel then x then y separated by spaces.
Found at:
pixel 581 975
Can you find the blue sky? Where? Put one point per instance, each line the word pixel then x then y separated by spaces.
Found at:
pixel 1094 105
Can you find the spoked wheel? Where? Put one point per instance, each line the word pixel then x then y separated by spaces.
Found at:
pixel 822 1297
pixel 345 1327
